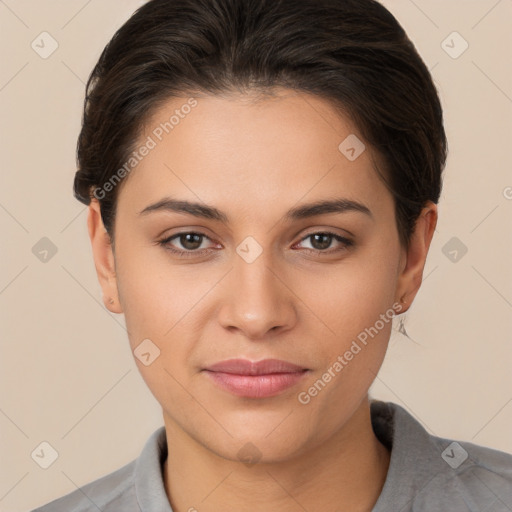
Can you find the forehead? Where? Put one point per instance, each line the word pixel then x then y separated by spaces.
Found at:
pixel 252 155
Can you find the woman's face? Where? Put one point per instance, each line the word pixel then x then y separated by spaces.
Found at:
pixel 260 279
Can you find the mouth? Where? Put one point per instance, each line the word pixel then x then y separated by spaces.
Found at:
pixel 261 379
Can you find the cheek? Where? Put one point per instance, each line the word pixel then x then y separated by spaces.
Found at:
pixel 157 302
pixel 151 292
pixel 356 317
pixel 350 296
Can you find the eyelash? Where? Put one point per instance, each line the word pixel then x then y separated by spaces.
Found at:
pixel 347 243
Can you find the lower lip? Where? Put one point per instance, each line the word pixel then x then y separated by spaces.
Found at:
pixel 256 386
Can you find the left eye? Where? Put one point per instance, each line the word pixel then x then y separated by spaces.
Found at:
pixel 322 241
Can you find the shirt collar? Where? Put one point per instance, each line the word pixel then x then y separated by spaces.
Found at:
pixel 409 442
pixel 415 456
pixel 149 478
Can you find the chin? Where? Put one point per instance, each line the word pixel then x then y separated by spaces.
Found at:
pixel 263 441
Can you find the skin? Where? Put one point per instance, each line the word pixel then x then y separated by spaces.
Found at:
pixel 254 159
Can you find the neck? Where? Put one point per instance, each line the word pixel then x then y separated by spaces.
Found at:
pixel 345 472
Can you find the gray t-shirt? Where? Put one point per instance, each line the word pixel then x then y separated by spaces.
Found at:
pixel 426 474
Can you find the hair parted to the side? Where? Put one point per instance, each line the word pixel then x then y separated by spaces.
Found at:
pixel 351 52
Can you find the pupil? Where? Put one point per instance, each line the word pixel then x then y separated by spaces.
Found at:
pixel 186 241
pixel 325 244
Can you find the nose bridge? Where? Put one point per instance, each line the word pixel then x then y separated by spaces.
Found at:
pixel 257 300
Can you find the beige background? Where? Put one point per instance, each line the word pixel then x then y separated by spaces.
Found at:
pixel 67 375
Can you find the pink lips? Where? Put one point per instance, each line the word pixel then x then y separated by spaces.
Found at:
pixel 261 379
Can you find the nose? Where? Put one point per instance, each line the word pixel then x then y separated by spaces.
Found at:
pixel 257 299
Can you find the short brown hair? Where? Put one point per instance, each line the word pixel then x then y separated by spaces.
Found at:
pixel 351 52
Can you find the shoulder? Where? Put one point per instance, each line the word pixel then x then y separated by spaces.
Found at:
pixel 138 483
pixel 113 490
pixel 471 476
pixel 428 472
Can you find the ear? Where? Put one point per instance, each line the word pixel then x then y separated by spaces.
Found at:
pixel 103 257
pixel 413 259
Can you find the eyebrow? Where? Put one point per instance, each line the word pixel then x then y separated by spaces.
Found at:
pixel 338 205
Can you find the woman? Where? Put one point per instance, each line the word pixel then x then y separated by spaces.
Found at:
pixel 262 179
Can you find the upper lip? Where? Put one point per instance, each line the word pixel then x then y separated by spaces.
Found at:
pixel 263 367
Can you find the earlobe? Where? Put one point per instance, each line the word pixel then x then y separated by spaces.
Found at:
pixel 103 257
pixel 411 275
